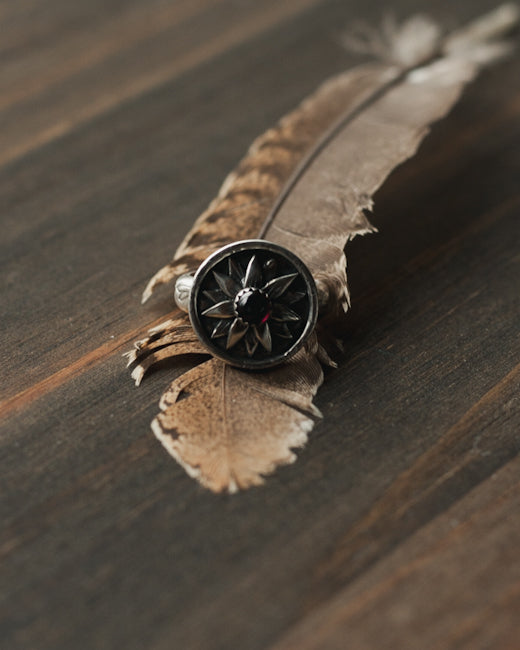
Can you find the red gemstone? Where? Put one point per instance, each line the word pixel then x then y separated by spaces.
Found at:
pixel 253 306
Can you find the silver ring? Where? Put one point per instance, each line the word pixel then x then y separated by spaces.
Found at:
pixel 252 303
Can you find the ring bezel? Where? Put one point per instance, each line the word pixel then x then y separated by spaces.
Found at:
pixel 251 245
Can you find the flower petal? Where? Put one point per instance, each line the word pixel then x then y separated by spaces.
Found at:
pixel 292 297
pixel 253 276
pixel 251 342
pixel 283 313
pixel 263 334
pixel 215 295
pixel 236 332
pixel 224 309
pixel 235 270
pixel 220 329
pixel 227 284
pixel 275 288
pixel 281 330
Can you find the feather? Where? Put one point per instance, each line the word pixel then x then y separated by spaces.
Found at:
pixel 206 418
pixel 305 184
pixel 172 338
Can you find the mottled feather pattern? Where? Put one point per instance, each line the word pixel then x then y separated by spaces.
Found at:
pixel 249 193
pixel 171 338
pixel 306 184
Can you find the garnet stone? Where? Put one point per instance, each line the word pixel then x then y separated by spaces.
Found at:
pixel 253 306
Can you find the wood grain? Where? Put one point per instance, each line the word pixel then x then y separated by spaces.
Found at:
pixel 102 54
pixel 398 526
pixel 428 592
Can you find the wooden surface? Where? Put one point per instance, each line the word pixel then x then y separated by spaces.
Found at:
pixel 399 525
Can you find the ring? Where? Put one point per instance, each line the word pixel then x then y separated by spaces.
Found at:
pixel 252 303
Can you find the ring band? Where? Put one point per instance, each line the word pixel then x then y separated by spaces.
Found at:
pixel 182 292
pixel 252 303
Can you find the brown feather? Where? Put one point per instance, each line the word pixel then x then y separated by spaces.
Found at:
pixel 325 210
pixel 207 414
pixel 249 193
pixel 173 338
pixel 305 184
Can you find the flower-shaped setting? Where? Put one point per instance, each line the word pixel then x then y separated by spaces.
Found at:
pixel 253 304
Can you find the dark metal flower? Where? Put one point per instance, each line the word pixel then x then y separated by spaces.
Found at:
pixel 253 304
pixel 255 309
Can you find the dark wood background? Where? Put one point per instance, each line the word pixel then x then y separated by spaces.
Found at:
pixel 399 526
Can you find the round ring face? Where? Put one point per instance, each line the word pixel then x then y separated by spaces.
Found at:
pixel 253 304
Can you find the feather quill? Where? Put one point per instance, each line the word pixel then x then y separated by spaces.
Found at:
pixel 306 184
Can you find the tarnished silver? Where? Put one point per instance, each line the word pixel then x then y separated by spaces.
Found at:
pixel 182 291
pixel 252 303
